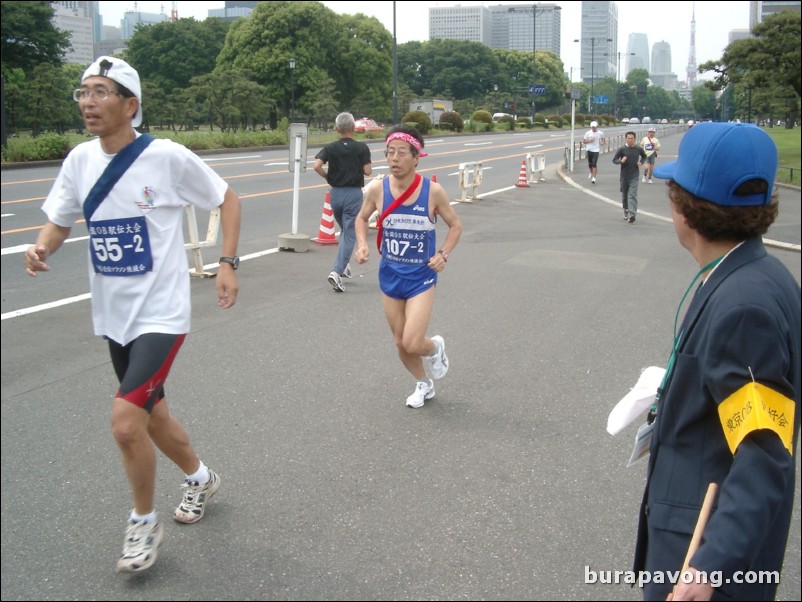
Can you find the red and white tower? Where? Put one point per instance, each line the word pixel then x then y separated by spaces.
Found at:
pixel 691 70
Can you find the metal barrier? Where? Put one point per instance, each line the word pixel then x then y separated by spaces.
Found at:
pixel 470 176
pixel 535 162
pixel 195 244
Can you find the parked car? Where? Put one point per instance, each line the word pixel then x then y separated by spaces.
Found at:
pixel 625 120
pixel 664 120
pixel 647 120
pixel 634 120
pixel 365 125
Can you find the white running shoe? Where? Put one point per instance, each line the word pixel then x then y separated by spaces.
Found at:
pixel 437 363
pixel 196 498
pixel 336 282
pixel 643 179
pixel 423 391
pixel 590 175
pixel 650 181
pixel 347 271
pixel 593 180
pixel 141 547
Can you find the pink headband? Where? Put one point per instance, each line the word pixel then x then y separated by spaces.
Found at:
pixel 407 138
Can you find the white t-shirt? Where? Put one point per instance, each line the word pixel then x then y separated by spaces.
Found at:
pixel 138 268
pixel 593 140
pixel 650 145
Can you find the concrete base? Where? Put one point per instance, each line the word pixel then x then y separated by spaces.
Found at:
pixel 293 242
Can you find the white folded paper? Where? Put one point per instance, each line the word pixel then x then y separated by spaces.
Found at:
pixel 634 403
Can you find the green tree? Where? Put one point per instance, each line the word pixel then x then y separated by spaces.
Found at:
pixel 170 54
pixel 48 99
pixel 765 68
pixel 317 39
pixel 703 101
pixel 28 36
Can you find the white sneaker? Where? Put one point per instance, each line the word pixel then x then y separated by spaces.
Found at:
pixel 347 271
pixel 141 546
pixel 423 391
pixel 593 180
pixel 590 175
pixel 650 181
pixel 437 363
pixel 643 179
pixel 336 282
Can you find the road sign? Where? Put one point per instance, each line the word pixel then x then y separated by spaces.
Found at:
pixel 601 100
pixel 538 89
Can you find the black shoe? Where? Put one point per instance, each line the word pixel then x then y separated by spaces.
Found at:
pixel 631 218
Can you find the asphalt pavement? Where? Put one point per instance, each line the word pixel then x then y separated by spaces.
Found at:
pixel 505 486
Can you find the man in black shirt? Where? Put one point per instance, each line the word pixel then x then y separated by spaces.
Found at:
pixel 630 157
pixel 348 164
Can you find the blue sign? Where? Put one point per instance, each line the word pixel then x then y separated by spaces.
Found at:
pixel 538 89
pixel 601 100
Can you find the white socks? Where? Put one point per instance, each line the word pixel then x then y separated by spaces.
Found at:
pixel 201 476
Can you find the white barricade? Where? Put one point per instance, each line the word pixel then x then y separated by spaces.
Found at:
pixel 470 176
pixel 195 244
pixel 535 162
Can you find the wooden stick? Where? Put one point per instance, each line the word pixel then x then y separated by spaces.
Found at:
pixel 701 523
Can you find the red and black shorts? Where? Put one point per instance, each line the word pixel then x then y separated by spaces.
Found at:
pixel 142 367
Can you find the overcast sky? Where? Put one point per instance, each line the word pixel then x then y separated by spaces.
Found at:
pixel 660 21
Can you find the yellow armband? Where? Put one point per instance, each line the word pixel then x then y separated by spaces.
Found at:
pixel 754 407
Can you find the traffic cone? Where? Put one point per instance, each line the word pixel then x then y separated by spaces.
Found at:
pixel 326 235
pixel 522 182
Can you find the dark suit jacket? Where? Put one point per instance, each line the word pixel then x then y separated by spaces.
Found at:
pixel 745 317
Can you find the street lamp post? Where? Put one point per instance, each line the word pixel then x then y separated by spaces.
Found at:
pixel 292 88
pixel 618 78
pixel 593 42
pixel 536 9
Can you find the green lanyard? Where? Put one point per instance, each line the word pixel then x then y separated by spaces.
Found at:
pixel 677 338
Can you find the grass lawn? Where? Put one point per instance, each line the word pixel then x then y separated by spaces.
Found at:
pixel 788 144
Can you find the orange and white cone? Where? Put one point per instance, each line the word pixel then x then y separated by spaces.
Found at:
pixel 326 235
pixel 522 181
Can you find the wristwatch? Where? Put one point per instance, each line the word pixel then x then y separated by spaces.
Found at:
pixel 232 261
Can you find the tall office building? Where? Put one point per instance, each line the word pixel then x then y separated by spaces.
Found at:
pixel 599 24
pixel 637 53
pixel 660 73
pixel 131 19
pixel 233 10
pixel 758 11
pixel 472 23
pixel 513 25
pixel 508 26
pixel 77 19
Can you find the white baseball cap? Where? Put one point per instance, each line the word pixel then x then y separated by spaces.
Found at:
pixel 122 73
pixel 594 124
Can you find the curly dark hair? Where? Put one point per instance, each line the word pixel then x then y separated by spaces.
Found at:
pixel 730 223
pixel 407 129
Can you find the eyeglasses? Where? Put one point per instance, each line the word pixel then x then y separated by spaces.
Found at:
pixel 399 152
pixel 101 94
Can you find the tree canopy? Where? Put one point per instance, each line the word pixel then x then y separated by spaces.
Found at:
pixel 28 36
pixel 170 54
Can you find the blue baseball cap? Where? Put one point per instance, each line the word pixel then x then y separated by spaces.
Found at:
pixel 716 158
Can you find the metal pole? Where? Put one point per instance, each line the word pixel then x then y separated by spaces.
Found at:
pixel 592 73
pixel 534 61
pixel 395 71
pixel 296 182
